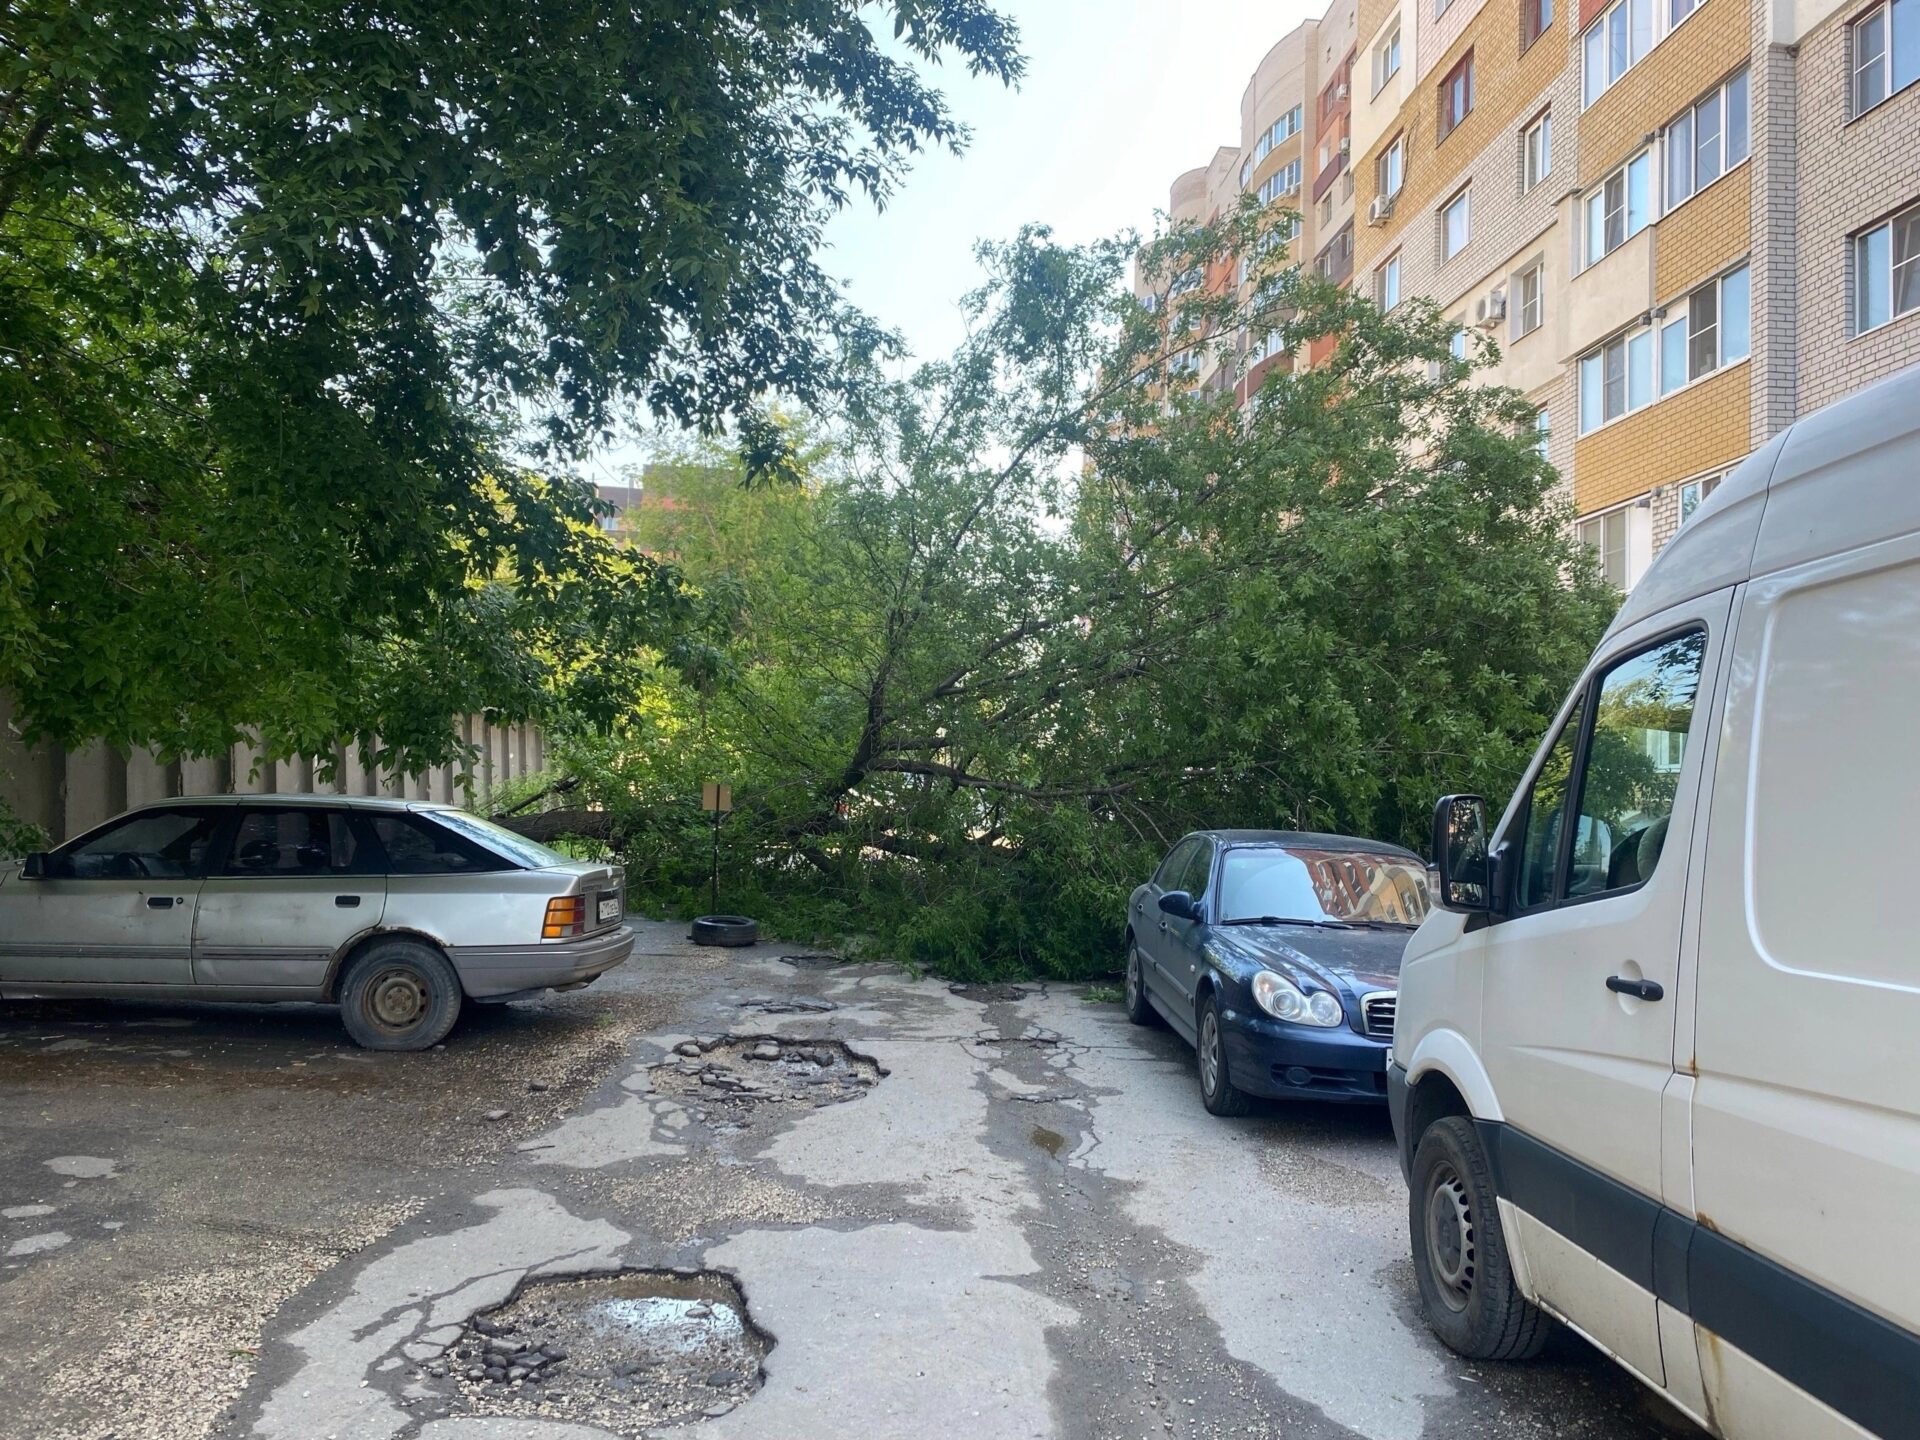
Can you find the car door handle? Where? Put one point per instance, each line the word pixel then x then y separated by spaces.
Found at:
pixel 160 902
pixel 346 902
pixel 1639 989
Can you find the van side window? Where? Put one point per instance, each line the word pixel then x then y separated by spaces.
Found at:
pixel 1632 765
pixel 1546 804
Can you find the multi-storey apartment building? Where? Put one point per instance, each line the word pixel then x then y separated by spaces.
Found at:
pixel 1680 223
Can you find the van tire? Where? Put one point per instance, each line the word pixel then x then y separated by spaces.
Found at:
pixel 1460 1252
pixel 399 994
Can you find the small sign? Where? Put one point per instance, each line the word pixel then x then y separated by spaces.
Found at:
pixel 716 797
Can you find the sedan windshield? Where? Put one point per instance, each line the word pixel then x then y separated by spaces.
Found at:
pixel 500 840
pixel 1353 887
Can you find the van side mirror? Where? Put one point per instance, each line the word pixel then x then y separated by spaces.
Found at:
pixel 34 866
pixel 1460 855
pixel 1180 905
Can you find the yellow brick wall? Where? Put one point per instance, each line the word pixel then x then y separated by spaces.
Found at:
pixel 1700 427
pixel 1506 84
pixel 1709 45
pixel 1704 236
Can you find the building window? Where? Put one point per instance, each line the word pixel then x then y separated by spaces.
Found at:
pixel 1391 167
pixel 1617 208
pixel 1457 343
pixel 1616 379
pixel 1541 429
pixel 1610 535
pixel 1529 296
pixel 1386 283
pixel 1886 271
pixel 1536 18
pixel 1705 331
pixel 1456 96
pixel 1456 225
pixel 1694 491
pixel 1386 58
pixel 1284 181
pixel 1536 152
pixel 1707 141
pixel 1614 44
pixel 1886 52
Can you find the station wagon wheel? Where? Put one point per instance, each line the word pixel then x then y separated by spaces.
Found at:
pixel 1217 1090
pixel 1460 1254
pixel 399 994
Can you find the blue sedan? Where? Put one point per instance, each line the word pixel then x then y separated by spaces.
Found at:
pixel 1276 955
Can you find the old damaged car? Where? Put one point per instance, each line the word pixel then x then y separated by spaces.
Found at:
pixel 1276 955
pixel 397 911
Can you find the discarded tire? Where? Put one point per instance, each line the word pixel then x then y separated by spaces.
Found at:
pixel 725 930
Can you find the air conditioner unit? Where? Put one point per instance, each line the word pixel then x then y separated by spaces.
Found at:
pixel 1491 310
pixel 1346 147
pixel 1379 209
pixel 1340 91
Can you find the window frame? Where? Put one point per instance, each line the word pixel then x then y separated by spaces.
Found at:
pixel 211 858
pixel 1684 304
pixel 1721 95
pixel 1586 708
pixel 365 845
pixel 1396 150
pixel 1703 485
pixel 1541 125
pixel 1274 187
pixel 1446 122
pixel 1857 265
pixel 1532 11
pixel 1659 25
pixel 1390 265
pixel 1623 172
pixel 1463 197
pixel 1388 46
pixel 1884 11
pixel 1516 289
pixel 1623 340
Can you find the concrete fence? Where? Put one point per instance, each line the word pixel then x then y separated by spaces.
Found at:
pixel 65 792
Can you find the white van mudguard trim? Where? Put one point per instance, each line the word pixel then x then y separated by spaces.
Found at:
pixel 1448 1052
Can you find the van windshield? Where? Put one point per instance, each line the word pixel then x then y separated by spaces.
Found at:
pixel 1357 887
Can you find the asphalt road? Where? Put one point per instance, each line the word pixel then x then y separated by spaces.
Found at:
pixel 993 1215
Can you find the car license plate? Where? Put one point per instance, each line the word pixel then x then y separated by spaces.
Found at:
pixel 609 908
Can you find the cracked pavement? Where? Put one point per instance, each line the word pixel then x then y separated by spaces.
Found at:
pixel 229 1223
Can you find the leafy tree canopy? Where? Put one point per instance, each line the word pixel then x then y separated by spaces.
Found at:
pixel 285 287
pixel 1045 605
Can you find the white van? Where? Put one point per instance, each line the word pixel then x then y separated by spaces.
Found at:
pixel 1667 1030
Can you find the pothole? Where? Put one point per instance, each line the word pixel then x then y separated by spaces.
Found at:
pixel 790 1004
pixel 989 994
pixel 626 1352
pixel 725 1081
pixel 812 962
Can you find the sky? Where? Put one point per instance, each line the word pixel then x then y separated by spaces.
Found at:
pixel 1120 96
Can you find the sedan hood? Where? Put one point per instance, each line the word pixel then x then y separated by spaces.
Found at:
pixel 1358 960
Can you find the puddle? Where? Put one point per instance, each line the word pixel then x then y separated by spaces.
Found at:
pixel 730 1080
pixel 989 994
pixel 1051 1141
pixel 812 962
pixel 627 1352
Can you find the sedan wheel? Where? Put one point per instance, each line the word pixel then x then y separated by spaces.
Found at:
pixel 1217 1090
pixel 1139 1009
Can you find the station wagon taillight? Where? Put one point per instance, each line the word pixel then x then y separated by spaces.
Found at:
pixel 565 916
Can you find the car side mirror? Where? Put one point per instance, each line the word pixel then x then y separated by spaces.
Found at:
pixel 34 866
pixel 1460 855
pixel 1180 905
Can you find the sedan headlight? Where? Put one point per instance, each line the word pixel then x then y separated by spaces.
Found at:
pixel 1284 1000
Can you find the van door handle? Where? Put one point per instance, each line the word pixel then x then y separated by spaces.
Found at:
pixel 1639 989
pixel 346 902
pixel 160 902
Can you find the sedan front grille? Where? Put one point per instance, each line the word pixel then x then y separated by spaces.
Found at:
pixel 1378 1009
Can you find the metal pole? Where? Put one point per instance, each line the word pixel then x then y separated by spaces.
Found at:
pixel 716 862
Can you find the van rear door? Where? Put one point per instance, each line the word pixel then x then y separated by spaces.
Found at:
pixel 1803 1277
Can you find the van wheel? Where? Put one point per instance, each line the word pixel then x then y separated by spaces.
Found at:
pixel 1139 1009
pixel 1217 1090
pixel 399 995
pixel 1460 1254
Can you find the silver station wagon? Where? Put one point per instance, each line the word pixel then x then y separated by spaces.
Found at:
pixel 398 911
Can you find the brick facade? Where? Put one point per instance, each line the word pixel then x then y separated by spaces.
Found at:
pixel 1814 178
